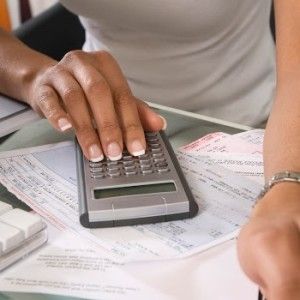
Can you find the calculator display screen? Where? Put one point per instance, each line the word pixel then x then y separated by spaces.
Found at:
pixel 135 190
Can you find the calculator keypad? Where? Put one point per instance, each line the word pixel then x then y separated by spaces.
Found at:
pixel 153 161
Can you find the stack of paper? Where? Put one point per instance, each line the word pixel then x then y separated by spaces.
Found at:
pixel 45 179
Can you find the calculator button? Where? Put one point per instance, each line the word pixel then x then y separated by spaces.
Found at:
pixel 152 140
pixel 129 168
pixel 127 157
pixel 149 133
pixel 147 171
pixel 159 159
pixel 98 176
pixel 112 163
pixel 144 156
pixel 155 146
pixel 156 150
pixel 145 161
pixel 96 170
pixel 161 165
pixel 133 172
pixel 145 166
pixel 114 174
pixel 129 163
pixel 95 165
pixel 113 168
pixel 157 155
pixel 163 170
pixel 151 136
pixel 153 143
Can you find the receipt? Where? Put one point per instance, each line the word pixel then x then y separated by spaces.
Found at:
pixel 247 142
pixel 247 165
pixel 240 153
pixel 207 143
pixel 45 179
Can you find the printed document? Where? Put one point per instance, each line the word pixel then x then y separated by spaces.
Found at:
pixel 78 262
pixel 67 266
pixel 45 179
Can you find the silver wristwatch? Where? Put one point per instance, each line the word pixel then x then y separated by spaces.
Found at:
pixel 287 176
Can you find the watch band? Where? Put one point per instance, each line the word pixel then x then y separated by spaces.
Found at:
pixel 286 176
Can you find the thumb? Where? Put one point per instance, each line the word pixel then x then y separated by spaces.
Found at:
pixel 150 120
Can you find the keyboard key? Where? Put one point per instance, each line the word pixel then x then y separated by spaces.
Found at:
pixel 4 207
pixel 28 223
pixel 10 237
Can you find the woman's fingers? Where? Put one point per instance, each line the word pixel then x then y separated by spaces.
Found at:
pixel 49 105
pixel 99 97
pixel 124 103
pixel 151 121
pixel 88 90
pixel 73 98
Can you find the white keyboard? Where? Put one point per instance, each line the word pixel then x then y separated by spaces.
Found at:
pixel 21 232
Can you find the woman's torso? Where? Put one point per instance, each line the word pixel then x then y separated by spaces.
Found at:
pixel 214 57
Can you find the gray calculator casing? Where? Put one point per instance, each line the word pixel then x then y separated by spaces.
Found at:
pixel 134 209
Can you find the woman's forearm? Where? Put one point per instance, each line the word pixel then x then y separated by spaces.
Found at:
pixel 282 137
pixel 18 66
pixel 282 140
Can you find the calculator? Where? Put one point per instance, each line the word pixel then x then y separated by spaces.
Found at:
pixel 135 189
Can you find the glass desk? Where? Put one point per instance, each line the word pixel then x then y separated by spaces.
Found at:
pixel 183 127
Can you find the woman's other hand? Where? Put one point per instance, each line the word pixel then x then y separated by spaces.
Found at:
pixel 269 245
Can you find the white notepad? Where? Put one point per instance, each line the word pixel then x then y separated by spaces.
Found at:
pixel 14 115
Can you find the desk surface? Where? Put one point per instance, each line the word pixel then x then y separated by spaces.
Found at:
pixel 217 267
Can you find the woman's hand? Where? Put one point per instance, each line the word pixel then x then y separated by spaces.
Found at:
pixel 87 91
pixel 269 245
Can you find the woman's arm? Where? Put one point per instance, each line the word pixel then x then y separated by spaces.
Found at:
pixel 79 91
pixel 19 65
pixel 269 246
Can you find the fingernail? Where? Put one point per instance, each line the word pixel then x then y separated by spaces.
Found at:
pixel 164 123
pixel 64 124
pixel 114 151
pixel 137 148
pixel 95 153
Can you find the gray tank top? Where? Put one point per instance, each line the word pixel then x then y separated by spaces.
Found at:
pixel 213 57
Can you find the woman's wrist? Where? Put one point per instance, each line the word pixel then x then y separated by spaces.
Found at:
pixel 28 74
pixel 282 195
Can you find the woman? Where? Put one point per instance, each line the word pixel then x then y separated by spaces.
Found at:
pixel 212 57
